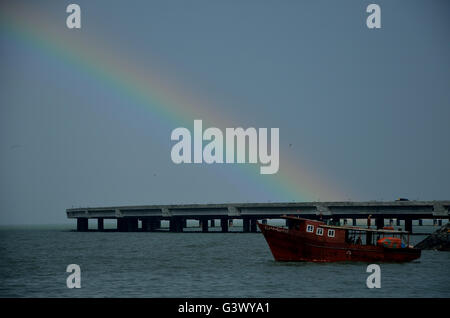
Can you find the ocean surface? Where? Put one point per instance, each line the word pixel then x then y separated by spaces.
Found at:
pixel 33 263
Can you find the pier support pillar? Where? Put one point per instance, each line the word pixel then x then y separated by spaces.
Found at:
pixel 420 222
pixel 127 224
pixel 150 224
pixel 434 222
pixel 146 225
pixel 204 225
pixel 132 224
pixel 246 225
pixel 82 224
pixel 224 225
pixel 354 222
pixel 100 224
pixel 181 225
pixel 213 223
pixel 408 225
pixel 379 222
pixel 391 222
pixel 440 222
pixel 172 226
pixel 398 222
pixel 122 225
pixel 253 226
pixel 176 224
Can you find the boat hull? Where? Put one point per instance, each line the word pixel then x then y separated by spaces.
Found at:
pixel 286 245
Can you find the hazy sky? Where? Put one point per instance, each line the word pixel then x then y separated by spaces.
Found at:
pixel 86 115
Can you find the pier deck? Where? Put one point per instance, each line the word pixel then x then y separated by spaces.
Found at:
pixel 128 217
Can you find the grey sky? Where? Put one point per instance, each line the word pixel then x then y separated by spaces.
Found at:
pixel 368 110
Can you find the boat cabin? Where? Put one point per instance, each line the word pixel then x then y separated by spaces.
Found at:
pixel 351 235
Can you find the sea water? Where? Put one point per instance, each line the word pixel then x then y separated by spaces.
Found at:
pixel 33 262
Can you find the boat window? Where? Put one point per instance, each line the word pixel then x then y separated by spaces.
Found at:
pixel 319 231
pixel 331 233
pixel 310 228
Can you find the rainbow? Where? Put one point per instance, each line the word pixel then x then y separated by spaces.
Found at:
pixel 170 104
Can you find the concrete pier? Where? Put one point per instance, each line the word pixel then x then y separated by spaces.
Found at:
pixel 379 222
pixel 146 225
pixel 408 225
pixel 132 225
pixel 121 225
pixel 204 223
pixel 246 225
pixel 127 216
pixel 82 224
pixel 224 225
pixel 127 225
pixel 100 224
pixel 253 225
pixel 176 225
pixel 150 224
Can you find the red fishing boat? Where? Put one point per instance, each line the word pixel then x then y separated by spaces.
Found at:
pixel 316 241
